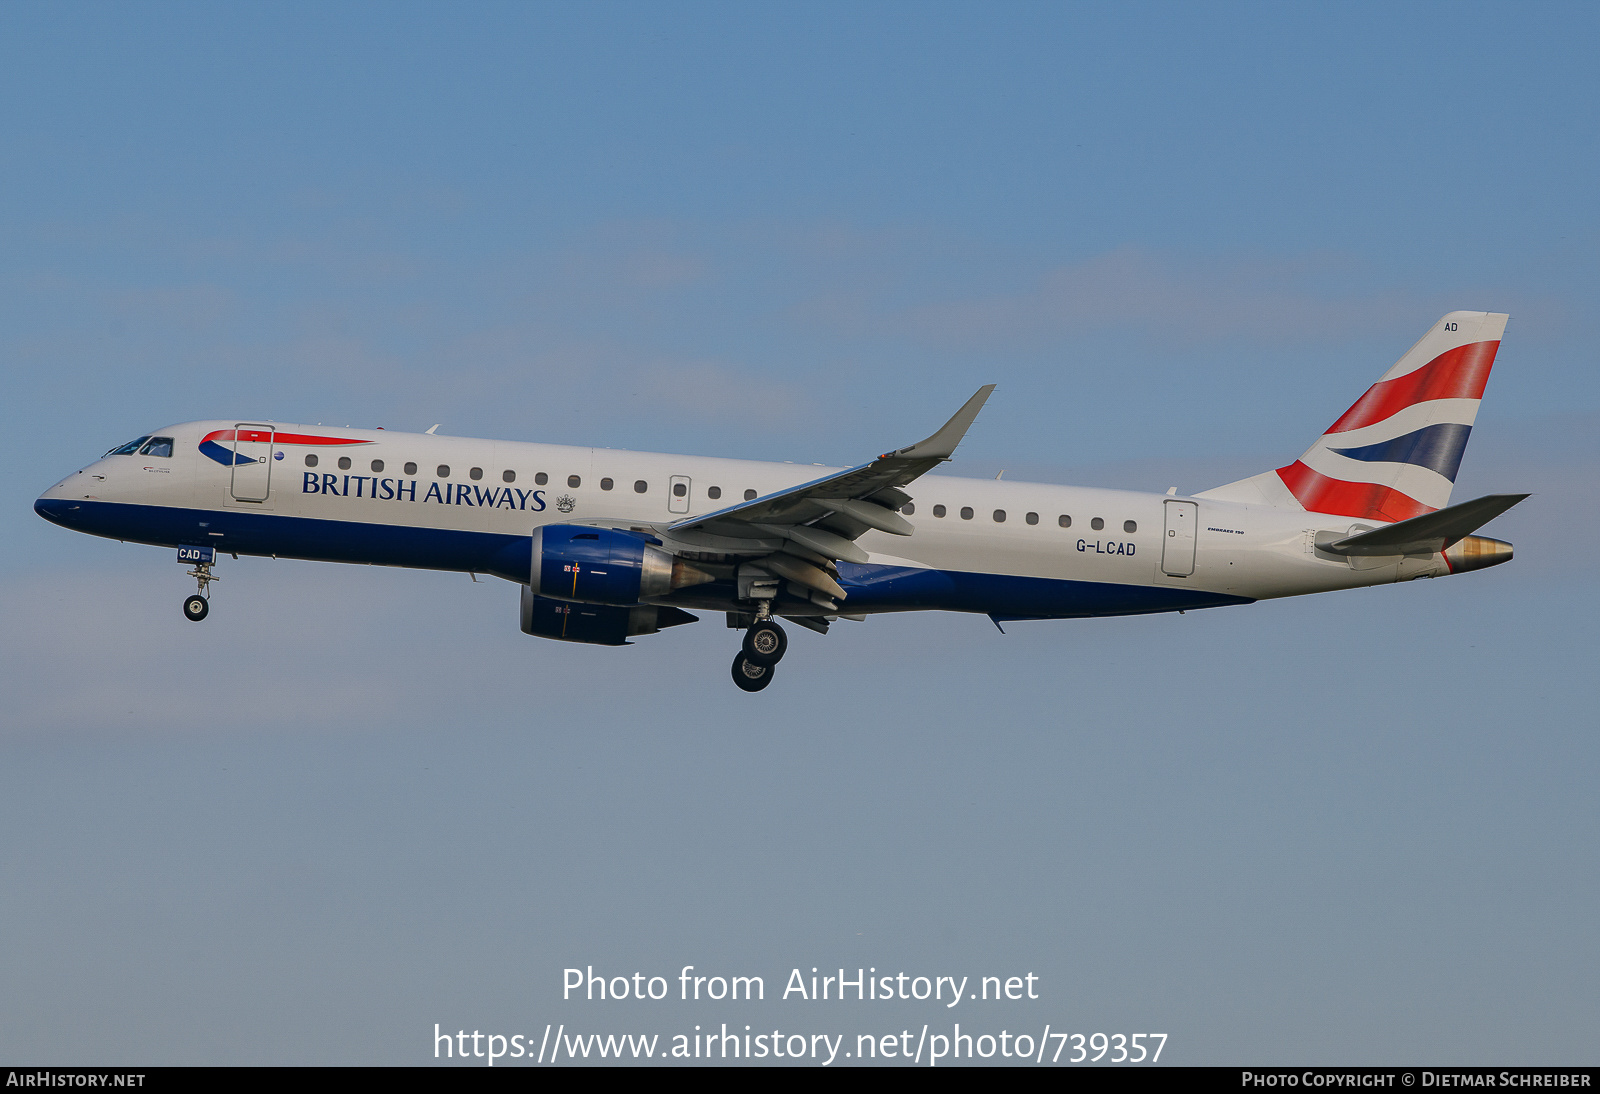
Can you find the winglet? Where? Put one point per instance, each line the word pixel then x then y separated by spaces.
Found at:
pixel 942 445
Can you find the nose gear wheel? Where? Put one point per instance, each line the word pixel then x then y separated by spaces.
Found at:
pixel 198 605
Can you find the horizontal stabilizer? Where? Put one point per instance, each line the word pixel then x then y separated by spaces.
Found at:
pixel 1429 532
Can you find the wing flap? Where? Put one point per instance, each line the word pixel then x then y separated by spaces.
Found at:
pixel 825 543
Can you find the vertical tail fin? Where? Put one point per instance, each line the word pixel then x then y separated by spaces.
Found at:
pixel 1394 454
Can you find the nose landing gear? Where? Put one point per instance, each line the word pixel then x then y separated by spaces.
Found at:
pixel 198 605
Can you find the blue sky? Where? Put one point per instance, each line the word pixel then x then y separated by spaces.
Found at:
pixel 1180 238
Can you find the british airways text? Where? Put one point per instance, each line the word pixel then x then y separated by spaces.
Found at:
pixel 449 493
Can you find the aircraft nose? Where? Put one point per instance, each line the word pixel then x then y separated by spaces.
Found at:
pixel 55 510
pixel 57 504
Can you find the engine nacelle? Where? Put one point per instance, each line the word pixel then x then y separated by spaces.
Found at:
pixel 598 566
pixel 599 624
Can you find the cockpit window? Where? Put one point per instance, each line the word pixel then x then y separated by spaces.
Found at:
pixel 128 449
pixel 157 446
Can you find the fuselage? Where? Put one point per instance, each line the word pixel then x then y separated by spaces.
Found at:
pixel 1008 549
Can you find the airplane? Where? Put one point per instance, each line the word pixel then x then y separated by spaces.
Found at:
pixel 608 545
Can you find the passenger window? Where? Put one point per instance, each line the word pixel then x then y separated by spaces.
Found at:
pixel 938 510
pixel 1097 523
pixel 1129 526
pixel 749 495
pixel 443 471
pixel 540 479
pixel 606 484
pixel 311 459
pixel 157 446
pixel 574 481
pixel 377 466
pixel 640 486
pixel 344 464
pixel 908 509
pixel 679 490
pixel 1064 520
pixel 508 476
pixel 411 469
pixel 713 492
pixel 999 516
pixel 475 474
pixel 1032 518
pixel 966 512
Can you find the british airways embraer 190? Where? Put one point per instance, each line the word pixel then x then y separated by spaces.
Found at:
pixel 610 544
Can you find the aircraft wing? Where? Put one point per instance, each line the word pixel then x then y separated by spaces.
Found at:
pixel 825 517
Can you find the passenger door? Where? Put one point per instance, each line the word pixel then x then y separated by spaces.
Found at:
pixel 252 462
pixel 1177 541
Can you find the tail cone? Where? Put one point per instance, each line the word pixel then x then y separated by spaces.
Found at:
pixel 1476 553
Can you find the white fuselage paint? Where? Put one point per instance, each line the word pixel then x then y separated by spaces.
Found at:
pixel 1246 551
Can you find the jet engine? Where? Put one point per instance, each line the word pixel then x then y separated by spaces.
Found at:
pixel 604 566
pixel 599 624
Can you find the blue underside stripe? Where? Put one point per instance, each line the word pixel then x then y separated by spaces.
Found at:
pixel 871 588
pixel 1437 447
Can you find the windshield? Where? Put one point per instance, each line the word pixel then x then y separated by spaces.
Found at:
pixel 157 446
pixel 128 449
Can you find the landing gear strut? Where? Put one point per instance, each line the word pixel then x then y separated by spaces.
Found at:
pixel 198 605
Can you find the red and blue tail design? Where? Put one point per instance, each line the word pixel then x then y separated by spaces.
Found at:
pixel 1395 453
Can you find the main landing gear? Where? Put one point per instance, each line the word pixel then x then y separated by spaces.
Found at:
pixel 764 646
pixel 765 643
pixel 750 676
pixel 197 605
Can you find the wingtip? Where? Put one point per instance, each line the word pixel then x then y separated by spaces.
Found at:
pixel 943 444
